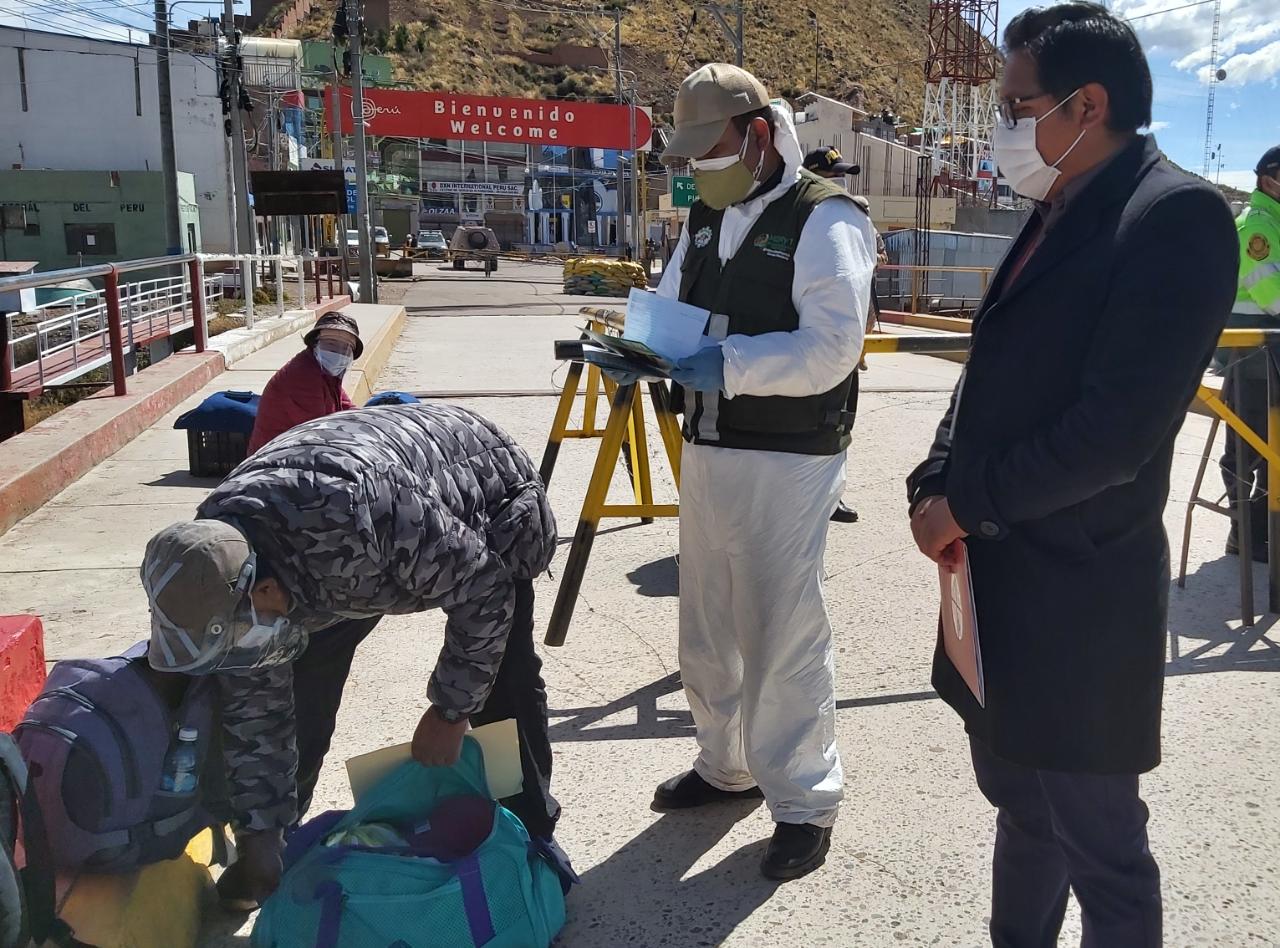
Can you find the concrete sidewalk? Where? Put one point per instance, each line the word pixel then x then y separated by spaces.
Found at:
pixel 910 859
pixel 74 561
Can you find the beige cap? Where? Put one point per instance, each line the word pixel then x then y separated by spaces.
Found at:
pixel 708 98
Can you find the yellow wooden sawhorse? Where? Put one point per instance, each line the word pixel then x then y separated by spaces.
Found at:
pixel 624 436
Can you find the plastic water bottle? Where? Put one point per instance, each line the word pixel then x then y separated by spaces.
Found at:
pixel 180 764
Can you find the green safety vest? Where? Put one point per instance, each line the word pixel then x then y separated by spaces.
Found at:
pixel 754 289
pixel 1259 230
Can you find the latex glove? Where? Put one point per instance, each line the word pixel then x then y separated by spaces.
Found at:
pixel 703 371
pixel 437 742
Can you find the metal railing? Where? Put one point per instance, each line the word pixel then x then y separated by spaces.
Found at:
pixel 60 340
pixel 949 287
pixel 71 343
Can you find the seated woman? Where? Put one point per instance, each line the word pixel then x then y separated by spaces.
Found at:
pixel 310 384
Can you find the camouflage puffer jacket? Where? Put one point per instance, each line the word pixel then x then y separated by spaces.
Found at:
pixel 371 512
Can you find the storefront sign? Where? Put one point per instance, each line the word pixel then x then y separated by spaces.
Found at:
pixel 505 188
pixel 452 115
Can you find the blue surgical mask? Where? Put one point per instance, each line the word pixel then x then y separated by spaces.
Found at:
pixel 333 363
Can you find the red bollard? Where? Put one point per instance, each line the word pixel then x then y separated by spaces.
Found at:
pixel 6 370
pixel 315 272
pixel 115 330
pixel 198 316
pixel 22 668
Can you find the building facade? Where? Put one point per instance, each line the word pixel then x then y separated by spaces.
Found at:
pixel 68 103
pixel 79 218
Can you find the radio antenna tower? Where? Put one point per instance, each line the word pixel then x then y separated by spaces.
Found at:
pixel 1214 75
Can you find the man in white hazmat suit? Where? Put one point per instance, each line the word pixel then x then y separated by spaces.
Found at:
pixel 783 261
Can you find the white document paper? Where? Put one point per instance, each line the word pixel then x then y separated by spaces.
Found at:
pixel 499 742
pixel 668 327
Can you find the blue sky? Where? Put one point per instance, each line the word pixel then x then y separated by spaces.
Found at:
pixel 1247 107
pixel 1247 113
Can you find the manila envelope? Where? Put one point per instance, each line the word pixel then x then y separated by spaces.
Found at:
pixel 499 743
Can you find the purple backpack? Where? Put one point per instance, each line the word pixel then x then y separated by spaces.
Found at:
pixel 95 741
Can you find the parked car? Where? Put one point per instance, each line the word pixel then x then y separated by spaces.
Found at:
pixel 474 243
pixel 381 242
pixel 431 244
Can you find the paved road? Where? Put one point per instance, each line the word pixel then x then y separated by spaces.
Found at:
pixel 909 861
pixel 910 855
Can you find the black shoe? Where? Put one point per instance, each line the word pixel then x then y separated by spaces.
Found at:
pixel 795 850
pixel 233 891
pixel 1233 547
pixel 844 513
pixel 690 790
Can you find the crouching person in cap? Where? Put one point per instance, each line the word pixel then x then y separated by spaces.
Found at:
pixel 310 384
pixel 295 557
pixel 783 260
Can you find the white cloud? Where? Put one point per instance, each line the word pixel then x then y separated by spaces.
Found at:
pixel 1154 126
pixel 1247 46
pixel 1243 180
pixel 1243 68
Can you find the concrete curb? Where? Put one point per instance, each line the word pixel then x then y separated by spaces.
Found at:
pixel 235 344
pixel 37 464
pixel 363 374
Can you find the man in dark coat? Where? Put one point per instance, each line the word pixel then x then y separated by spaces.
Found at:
pixel 1051 466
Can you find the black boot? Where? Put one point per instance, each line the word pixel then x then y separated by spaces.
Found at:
pixel 1259 551
pixel 844 513
pixel 795 850
pixel 690 790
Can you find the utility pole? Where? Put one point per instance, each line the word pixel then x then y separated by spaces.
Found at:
pixel 244 239
pixel 635 177
pixel 618 169
pixel 368 283
pixel 742 35
pixel 813 18
pixel 736 36
pixel 168 161
pixel 340 165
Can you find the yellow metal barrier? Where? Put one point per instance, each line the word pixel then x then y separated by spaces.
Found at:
pixel 624 435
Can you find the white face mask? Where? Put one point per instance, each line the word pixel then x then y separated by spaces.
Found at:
pixel 334 363
pixel 1019 159
pixel 719 164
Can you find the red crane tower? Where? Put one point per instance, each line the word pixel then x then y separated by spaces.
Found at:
pixel 960 92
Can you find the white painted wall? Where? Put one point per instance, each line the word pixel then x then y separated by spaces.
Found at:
pixel 82 115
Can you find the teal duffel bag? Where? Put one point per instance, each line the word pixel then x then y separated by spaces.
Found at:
pixel 503 894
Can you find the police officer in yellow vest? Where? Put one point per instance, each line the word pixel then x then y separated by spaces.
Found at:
pixel 782 260
pixel 1257 305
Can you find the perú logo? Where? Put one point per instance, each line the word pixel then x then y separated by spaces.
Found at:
pixel 370 109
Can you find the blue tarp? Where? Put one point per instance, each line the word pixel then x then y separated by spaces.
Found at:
pixel 223 411
pixel 391 398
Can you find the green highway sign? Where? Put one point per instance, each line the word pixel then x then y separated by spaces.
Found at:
pixel 683 192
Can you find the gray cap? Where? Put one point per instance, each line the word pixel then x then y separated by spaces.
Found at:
pixel 708 98
pixel 195 574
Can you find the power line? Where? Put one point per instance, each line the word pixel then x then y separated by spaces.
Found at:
pixel 1185 6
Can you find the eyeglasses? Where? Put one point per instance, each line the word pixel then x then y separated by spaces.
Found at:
pixel 1007 107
